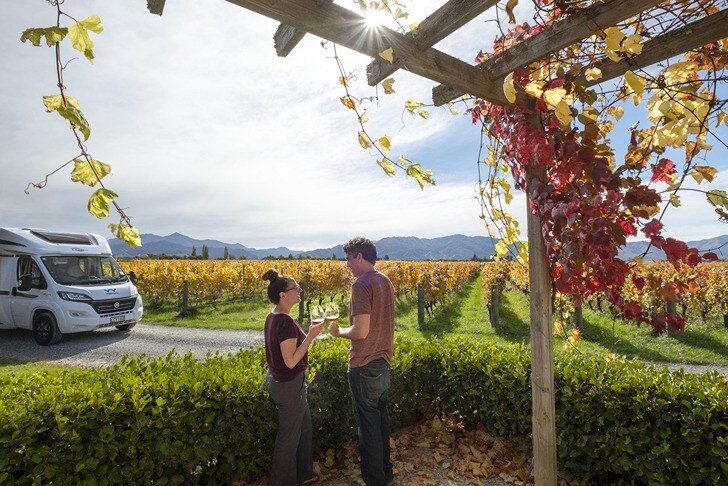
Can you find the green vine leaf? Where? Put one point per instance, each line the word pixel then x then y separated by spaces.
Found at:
pixel 89 173
pixel 98 203
pixel 80 39
pixel 74 115
pixel 128 234
pixel 53 35
pixel 54 102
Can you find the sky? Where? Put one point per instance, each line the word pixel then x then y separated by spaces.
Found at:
pixel 211 135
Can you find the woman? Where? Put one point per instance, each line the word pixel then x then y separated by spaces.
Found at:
pixel 286 351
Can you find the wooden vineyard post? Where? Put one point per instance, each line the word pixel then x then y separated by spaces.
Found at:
pixel 542 356
pixel 494 304
pixel 185 297
pixel 420 306
pixel 301 306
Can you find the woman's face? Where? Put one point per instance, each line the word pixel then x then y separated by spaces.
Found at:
pixel 292 294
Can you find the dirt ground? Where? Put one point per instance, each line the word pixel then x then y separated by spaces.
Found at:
pixel 435 452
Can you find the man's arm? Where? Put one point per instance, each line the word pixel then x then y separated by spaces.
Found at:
pixel 359 328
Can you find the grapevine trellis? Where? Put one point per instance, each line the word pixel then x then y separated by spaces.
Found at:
pixel 341 26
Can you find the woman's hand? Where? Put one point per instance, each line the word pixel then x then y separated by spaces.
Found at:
pixel 315 329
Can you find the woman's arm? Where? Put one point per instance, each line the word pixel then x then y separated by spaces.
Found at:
pixel 292 354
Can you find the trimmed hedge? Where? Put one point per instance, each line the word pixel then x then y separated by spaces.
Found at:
pixel 177 420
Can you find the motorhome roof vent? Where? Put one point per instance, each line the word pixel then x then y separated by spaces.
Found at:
pixel 62 238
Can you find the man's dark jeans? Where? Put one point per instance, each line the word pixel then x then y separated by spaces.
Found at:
pixel 369 385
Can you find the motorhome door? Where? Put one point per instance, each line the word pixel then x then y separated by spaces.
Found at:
pixel 22 303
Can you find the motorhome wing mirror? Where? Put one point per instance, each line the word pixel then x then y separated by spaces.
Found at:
pixel 132 277
pixel 25 283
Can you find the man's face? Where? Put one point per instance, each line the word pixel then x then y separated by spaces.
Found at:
pixel 353 263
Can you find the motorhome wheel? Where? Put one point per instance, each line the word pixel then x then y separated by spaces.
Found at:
pixel 45 329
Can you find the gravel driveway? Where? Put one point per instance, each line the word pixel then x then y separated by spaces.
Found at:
pixel 107 346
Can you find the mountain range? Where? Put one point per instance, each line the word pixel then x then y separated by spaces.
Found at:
pixel 453 247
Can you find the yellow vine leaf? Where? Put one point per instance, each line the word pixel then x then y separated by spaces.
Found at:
pixel 347 101
pixel 721 118
pixel 558 328
pixel 563 113
pixel 636 86
pixel 89 173
pixel 414 29
pixel 364 118
pixel 387 55
pixel 386 143
pixel 387 85
pixel 98 203
pixel 424 114
pixel 509 10
pixel 593 73
pixel 364 140
pixel 675 200
pixel 128 234
pixel 54 102
pixel 613 38
pixel 680 72
pixel 522 257
pixel 501 250
pixel 453 110
pixel 703 172
pixel 387 166
pixel 552 97
pixel 534 89
pixel 509 89
pixel 78 34
pixel 343 82
pixel 576 335
pixel 632 45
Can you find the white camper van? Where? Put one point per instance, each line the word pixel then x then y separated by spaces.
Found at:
pixel 56 283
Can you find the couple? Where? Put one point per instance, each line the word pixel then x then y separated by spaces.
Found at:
pixel 371 331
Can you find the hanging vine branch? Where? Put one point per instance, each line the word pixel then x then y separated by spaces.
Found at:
pixel 86 170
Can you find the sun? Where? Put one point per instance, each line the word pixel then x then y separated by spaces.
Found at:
pixel 375 18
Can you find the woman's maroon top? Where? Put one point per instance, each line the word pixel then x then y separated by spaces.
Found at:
pixel 278 328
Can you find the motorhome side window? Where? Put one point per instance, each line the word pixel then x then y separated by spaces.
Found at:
pixel 26 266
pixel 84 270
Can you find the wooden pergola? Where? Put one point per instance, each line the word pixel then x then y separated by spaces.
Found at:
pixel 339 25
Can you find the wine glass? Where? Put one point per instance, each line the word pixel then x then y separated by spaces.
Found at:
pixel 331 312
pixel 316 313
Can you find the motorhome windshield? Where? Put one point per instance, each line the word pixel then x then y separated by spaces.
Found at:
pixel 84 270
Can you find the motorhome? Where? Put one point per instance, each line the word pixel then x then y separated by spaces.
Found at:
pixel 57 283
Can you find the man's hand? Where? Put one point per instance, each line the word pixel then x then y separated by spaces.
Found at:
pixel 334 329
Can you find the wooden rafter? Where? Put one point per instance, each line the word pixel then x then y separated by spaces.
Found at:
pixel 155 6
pixel 287 37
pixel 556 37
pixel 344 27
pixel 443 22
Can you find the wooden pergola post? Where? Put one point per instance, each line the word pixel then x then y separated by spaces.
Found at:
pixel 542 353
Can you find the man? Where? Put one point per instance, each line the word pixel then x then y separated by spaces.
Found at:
pixel 371 331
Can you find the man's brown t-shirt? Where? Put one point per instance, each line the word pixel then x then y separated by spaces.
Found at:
pixel 373 294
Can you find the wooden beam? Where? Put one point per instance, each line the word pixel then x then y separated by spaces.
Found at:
pixel 346 28
pixel 155 6
pixel 287 37
pixel 562 34
pixel 689 37
pixel 443 22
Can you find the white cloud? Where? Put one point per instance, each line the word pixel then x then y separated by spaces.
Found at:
pixel 211 135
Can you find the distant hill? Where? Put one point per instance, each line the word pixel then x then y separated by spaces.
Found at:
pixel 453 247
